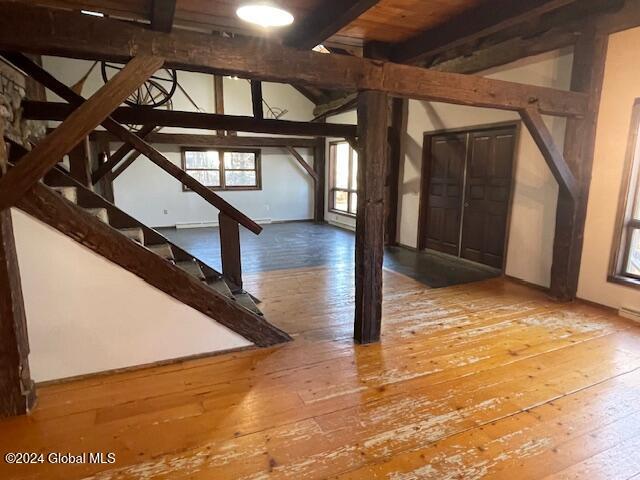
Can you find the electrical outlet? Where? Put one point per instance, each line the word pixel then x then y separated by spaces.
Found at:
pixel 166 212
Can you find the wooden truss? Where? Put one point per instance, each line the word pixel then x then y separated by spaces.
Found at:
pixel 64 33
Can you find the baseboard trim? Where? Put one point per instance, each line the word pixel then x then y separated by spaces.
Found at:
pixel 525 283
pixel 344 226
pixel 143 366
pixel 260 221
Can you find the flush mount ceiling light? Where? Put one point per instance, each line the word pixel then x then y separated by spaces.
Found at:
pixel 92 13
pixel 265 15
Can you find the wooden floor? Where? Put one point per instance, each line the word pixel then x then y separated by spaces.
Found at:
pixel 294 245
pixel 485 380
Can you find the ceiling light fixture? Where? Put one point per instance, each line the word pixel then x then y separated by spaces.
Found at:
pixel 265 15
pixel 92 13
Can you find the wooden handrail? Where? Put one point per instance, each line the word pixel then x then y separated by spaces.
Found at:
pixel 46 79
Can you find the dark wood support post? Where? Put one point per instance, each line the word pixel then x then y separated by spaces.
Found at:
pixel 80 163
pixel 230 250
pixel 17 390
pixel 372 140
pixel 34 90
pixel 399 116
pixel 103 157
pixel 588 72
pixel 319 166
pixel 218 92
pixel 256 99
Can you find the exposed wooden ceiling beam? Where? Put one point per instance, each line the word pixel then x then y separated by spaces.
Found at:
pixel 334 107
pixel 80 36
pixel 214 141
pixel 162 13
pixel 550 151
pixel 471 26
pixel 303 163
pixel 325 21
pixel 77 125
pixel 553 31
pixel 210 121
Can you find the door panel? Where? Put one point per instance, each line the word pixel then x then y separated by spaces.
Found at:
pixel 444 208
pixel 488 187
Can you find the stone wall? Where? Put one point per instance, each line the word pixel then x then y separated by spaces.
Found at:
pixel 12 92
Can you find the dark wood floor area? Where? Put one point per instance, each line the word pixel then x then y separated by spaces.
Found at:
pixel 292 245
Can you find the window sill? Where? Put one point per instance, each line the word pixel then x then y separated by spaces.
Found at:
pixel 344 214
pixel 626 281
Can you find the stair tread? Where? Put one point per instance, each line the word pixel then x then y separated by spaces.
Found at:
pixel 70 193
pixel 93 204
pixel 100 213
pixel 135 233
pixel 163 250
pixel 219 285
pixel 192 268
pixel 245 300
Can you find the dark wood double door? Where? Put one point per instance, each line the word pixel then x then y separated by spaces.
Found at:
pixel 466 191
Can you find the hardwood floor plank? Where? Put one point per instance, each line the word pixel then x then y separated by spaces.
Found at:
pixel 472 380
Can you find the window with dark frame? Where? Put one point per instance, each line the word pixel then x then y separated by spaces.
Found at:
pixel 625 264
pixel 223 169
pixel 343 171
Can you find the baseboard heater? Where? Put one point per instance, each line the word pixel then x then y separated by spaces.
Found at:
pixel 630 313
pixel 179 226
pixel 345 225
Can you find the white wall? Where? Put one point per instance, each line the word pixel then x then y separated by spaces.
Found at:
pixel 620 89
pixel 532 226
pixel 86 314
pixel 146 192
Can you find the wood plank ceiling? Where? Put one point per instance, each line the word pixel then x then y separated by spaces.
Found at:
pixel 394 21
pixel 389 21
pixel 462 36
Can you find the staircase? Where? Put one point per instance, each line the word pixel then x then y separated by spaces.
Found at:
pixel 88 218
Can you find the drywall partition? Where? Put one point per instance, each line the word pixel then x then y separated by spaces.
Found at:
pixel 620 89
pixel 86 314
pixel 153 197
pixel 532 225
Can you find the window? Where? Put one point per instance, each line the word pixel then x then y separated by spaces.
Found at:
pixel 223 169
pixel 625 263
pixel 343 168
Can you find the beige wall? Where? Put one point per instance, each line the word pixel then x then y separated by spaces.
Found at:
pixel 621 88
pixel 532 228
pixel 86 314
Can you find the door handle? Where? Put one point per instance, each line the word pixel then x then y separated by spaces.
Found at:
pixel 466 204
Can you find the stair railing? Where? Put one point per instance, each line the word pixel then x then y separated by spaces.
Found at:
pixel 230 217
